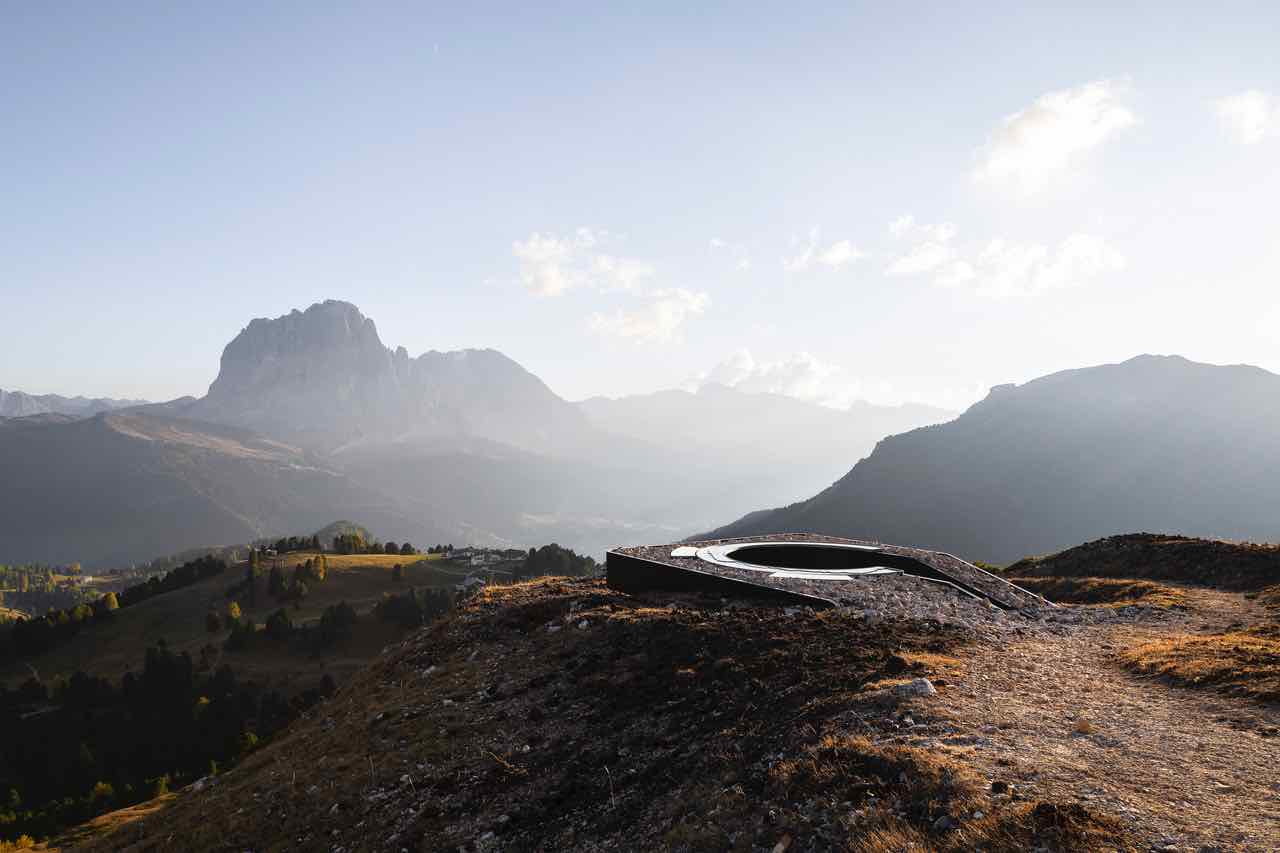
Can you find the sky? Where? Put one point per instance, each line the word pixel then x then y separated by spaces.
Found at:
pixel 883 202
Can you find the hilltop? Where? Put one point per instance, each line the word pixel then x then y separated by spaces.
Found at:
pixel 1155 443
pixel 566 715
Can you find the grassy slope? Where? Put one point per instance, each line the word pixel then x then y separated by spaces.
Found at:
pixel 113 647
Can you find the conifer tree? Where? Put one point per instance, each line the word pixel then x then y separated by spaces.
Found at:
pixel 275 582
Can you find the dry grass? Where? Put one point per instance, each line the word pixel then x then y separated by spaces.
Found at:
pixel 339 562
pixel 919 784
pixel 1017 829
pixel 104 825
pixel 906 791
pixel 1244 663
pixel 1114 592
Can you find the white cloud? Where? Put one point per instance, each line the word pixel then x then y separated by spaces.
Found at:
pixel 545 264
pixel 620 273
pixel 550 265
pixel 1249 116
pixel 805 377
pixel 839 254
pixel 800 375
pixel 1080 258
pixel 836 255
pixel 1004 268
pixel 933 246
pixel 922 258
pixel 906 226
pixel 658 321
pixel 717 243
pixel 1032 146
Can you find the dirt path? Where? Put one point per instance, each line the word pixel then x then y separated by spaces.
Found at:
pixel 1057 717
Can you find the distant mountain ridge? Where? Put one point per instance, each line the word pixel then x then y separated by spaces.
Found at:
pixel 17 404
pixel 759 443
pixel 313 418
pixel 721 416
pixel 1155 443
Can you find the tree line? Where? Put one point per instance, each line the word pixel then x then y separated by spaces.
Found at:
pixel 88 746
pixel 31 637
pixel 356 543
pixel 555 561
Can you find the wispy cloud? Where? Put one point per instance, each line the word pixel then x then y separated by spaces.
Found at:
pixel 1002 267
pixel 932 245
pixel 549 265
pixel 658 321
pixel 808 252
pixel 1031 147
pixel 546 264
pixel 800 375
pixel 806 377
pixel 1249 116
pixel 1006 268
pixel 839 254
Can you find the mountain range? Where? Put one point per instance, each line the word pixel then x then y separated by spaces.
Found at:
pixel 312 417
pixel 16 404
pixel 1156 443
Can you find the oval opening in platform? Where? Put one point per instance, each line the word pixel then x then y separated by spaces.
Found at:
pixel 811 557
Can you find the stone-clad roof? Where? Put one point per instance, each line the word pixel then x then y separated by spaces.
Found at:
pixel 924 570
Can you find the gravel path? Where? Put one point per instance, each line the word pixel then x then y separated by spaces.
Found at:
pixel 1190 770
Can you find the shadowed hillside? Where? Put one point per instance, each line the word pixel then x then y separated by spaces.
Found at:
pixel 1156 443
pixel 120 488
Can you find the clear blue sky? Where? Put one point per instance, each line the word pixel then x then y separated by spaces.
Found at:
pixel 891 203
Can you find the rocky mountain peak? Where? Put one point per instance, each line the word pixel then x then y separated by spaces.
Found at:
pixel 324 378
